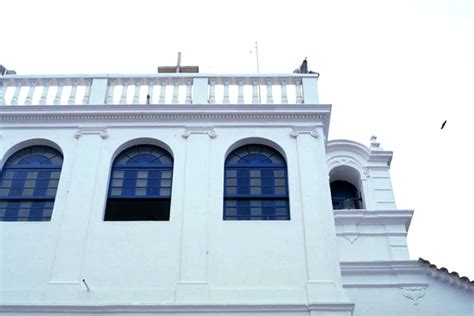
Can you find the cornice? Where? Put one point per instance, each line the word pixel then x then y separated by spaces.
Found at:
pixel 370 217
pixel 167 114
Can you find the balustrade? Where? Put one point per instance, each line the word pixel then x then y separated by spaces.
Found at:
pixel 158 89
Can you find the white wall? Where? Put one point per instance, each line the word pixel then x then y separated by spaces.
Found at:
pixel 196 256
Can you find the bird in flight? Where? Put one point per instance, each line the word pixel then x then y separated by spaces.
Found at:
pixel 444 123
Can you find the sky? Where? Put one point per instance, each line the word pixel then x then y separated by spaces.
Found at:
pixel 394 69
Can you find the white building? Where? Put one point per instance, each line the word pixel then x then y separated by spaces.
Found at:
pixel 180 194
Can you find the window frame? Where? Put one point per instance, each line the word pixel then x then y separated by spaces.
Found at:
pixel 154 200
pixel 267 201
pixel 40 203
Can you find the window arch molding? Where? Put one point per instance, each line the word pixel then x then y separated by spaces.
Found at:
pixel 28 143
pixel 255 141
pixel 140 141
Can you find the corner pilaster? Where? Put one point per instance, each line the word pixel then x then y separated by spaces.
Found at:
pixel 324 284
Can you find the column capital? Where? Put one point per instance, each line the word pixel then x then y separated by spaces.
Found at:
pixel 94 130
pixel 314 131
pixel 209 130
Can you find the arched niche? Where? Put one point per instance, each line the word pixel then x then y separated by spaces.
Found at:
pixel 346 190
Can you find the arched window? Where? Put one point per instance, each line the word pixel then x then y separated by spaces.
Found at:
pixel 344 195
pixel 28 184
pixel 140 185
pixel 256 185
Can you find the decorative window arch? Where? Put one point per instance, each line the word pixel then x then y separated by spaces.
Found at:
pixel 256 184
pixel 140 185
pixel 28 184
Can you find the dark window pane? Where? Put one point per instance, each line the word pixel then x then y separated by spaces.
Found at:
pixel 137 209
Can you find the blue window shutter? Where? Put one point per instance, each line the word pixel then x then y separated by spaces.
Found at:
pixel 256 185
pixel 27 189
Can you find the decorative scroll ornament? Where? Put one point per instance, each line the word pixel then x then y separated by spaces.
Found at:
pixel 199 130
pixel 414 293
pixel 101 131
pixel 296 131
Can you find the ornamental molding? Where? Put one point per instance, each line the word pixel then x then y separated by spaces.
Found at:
pixel 188 131
pixel 157 117
pixel 300 130
pixel 352 237
pixel 373 217
pixel 388 267
pixel 319 113
pixel 176 308
pixel 91 130
pixel 414 293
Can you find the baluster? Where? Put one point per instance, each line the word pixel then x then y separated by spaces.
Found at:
pixel 150 91
pixel 72 95
pixel 123 97
pixel 269 93
pixel 284 95
pixel 110 91
pixel 59 92
pixel 226 99
pixel 255 98
pixel 44 93
pixel 136 95
pixel 162 92
pixel 87 93
pixel 240 97
pixel 175 92
pixel 3 88
pixel 16 94
pixel 189 98
pixel 31 91
pixel 212 92
pixel 299 94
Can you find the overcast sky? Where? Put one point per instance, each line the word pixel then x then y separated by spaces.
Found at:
pixel 395 69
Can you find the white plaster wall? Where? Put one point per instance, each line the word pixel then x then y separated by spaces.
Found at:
pixel 438 299
pixel 148 262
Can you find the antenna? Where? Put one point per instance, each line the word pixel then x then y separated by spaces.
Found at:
pixel 178 65
pixel 258 70
pixel 256 54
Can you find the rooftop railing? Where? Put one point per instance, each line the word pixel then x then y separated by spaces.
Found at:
pixel 158 89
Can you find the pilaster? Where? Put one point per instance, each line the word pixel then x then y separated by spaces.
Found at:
pixel 66 271
pixel 193 285
pixel 324 283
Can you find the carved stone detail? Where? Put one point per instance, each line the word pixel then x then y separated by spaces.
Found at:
pixel 414 293
pixel 351 238
pixel 156 117
pixel 296 131
pixel 188 131
pixel 101 131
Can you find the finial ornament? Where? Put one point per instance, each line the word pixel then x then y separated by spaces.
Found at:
pixel 374 145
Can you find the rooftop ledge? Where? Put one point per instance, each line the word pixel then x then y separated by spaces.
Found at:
pixel 158 89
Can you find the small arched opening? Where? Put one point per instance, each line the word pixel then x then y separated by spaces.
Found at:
pixel 345 188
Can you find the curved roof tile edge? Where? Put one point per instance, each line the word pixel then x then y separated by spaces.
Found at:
pixel 464 280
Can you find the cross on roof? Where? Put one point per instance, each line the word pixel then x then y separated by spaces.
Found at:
pixel 178 68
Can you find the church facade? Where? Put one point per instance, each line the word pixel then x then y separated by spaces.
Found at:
pixel 193 194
